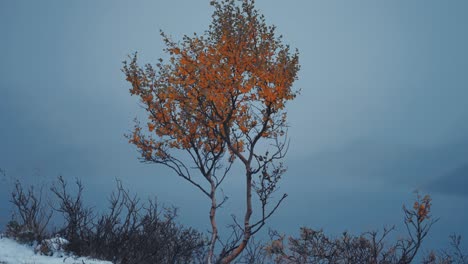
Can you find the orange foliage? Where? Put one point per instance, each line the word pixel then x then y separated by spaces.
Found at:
pixel 423 207
pixel 228 86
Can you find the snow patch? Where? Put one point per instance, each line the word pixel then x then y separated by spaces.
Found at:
pixel 52 247
pixel 13 253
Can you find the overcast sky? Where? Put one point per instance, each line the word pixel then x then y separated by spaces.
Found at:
pixel 383 109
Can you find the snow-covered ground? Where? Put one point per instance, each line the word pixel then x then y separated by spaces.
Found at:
pixel 13 253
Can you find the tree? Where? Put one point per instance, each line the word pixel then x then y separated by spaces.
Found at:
pixel 218 97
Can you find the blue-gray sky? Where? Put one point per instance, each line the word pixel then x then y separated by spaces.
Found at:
pixel 383 108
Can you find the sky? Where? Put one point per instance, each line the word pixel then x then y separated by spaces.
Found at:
pixel 382 111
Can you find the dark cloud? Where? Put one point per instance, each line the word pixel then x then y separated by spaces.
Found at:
pixel 454 182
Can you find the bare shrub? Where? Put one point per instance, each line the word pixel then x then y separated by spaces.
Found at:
pixel 133 232
pixel 315 247
pixel 130 232
pixel 454 255
pixel 78 218
pixel 30 217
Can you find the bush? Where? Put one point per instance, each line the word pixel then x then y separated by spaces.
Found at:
pixel 78 218
pixel 314 246
pixel 135 232
pixel 20 233
pixel 131 232
pixel 30 217
pixel 454 255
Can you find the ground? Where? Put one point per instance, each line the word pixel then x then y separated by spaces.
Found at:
pixel 12 252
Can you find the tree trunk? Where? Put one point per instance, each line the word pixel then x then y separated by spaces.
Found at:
pixel 247 232
pixel 214 227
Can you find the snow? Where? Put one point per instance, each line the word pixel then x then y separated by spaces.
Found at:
pixel 13 253
pixel 53 246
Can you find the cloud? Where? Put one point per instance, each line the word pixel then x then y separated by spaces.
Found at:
pixel 454 182
pixel 378 162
